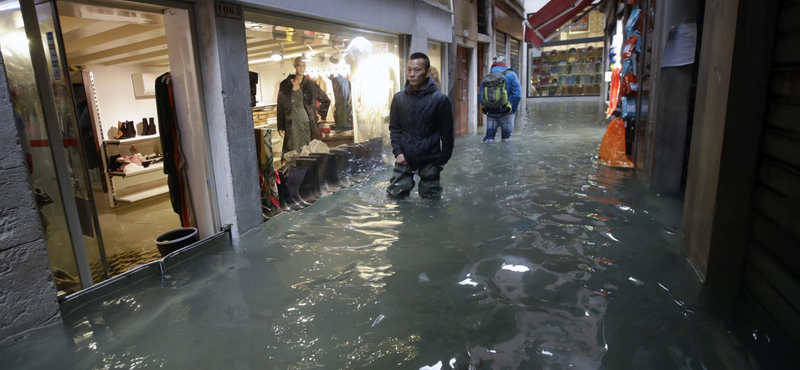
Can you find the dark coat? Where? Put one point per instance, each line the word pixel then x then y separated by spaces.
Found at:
pixel 311 95
pixel 421 125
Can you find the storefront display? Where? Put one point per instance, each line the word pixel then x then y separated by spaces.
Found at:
pixel 570 61
pixel 350 78
pixel 567 70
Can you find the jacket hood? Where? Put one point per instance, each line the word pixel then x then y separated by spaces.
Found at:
pixel 499 68
pixel 430 88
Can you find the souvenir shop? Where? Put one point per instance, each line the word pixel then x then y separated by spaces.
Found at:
pixel 350 78
pixel 126 175
pixel 570 62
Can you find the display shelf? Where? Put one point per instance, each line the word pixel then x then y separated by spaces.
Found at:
pixel 130 198
pixel 152 168
pixel 138 139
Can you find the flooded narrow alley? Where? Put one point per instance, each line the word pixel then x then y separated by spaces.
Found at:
pixel 536 258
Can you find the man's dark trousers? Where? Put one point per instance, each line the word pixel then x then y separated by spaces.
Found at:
pixel 402 181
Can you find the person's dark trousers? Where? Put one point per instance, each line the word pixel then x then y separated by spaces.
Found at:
pixel 402 181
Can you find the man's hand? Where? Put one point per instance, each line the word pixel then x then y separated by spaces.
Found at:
pixel 401 159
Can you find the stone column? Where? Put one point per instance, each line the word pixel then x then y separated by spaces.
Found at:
pixel 27 291
pixel 226 82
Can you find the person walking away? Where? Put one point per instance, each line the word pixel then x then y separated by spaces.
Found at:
pixel 421 127
pixel 500 96
pixel 298 113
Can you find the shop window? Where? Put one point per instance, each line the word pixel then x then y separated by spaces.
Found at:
pixel 567 70
pixel 436 56
pixel 482 23
pixel 357 71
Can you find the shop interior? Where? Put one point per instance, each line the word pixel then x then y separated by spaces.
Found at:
pixel 571 62
pixel 567 70
pixel 111 126
pixel 358 71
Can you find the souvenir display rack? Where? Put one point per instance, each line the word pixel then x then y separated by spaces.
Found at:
pixel 568 70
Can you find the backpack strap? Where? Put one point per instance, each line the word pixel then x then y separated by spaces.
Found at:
pixel 507 70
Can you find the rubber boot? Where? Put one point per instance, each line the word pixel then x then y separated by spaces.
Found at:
pixel 322 163
pixel 294 175
pixel 376 150
pixel 341 158
pixel 352 158
pixel 286 187
pixel 309 189
pixel 331 178
pixel 361 161
pixel 327 186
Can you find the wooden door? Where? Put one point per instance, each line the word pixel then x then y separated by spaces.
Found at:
pixel 462 91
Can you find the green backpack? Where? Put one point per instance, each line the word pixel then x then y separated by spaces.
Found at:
pixel 495 96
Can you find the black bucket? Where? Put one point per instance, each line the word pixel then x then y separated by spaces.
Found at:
pixel 171 241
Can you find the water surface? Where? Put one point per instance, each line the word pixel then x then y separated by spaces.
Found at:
pixel 536 258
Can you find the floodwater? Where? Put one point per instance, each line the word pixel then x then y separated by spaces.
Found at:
pixel 536 258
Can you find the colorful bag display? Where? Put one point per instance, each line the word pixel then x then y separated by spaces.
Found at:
pixel 631 45
pixel 613 93
pixel 629 85
pixel 612 149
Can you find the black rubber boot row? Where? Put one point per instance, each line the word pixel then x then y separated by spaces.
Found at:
pixel 305 179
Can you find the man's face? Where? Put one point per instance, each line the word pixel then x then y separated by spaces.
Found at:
pixel 416 72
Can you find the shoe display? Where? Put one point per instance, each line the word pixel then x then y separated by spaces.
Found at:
pixel 120 130
pixel 128 130
pixel 152 126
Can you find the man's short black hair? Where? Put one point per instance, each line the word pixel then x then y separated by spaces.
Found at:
pixel 423 57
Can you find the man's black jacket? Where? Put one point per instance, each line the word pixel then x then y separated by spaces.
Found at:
pixel 421 125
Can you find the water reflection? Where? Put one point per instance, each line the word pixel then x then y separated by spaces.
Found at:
pixel 536 258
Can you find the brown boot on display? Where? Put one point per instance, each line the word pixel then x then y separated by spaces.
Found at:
pixel 120 130
pixel 152 126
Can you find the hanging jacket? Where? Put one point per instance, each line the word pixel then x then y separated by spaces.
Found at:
pixel 513 87
pixel 343 111
pixel 311 95
pixel 421 125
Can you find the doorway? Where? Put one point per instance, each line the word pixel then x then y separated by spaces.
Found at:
pixel 89 124
pixel 462 91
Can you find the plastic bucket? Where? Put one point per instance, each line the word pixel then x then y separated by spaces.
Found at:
pixel 171 241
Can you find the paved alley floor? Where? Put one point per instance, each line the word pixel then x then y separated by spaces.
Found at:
pixel 536 258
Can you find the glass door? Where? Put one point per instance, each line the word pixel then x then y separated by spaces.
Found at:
pixel 53 143
pixel 74 138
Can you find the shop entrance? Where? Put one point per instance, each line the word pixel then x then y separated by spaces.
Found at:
pixel 91 130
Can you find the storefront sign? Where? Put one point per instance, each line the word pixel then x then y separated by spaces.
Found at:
pixel 227 10
pixel 581 26
pixel 51 44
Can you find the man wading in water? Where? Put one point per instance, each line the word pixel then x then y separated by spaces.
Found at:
pixel 421 126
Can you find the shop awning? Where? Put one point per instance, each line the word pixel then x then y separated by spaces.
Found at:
pixel 547 20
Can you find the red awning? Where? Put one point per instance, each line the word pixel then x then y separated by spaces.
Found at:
pixel 552 16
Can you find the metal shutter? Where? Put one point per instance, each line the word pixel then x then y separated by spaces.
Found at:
pixel 500 43
pixel 772 269
pixel 514 51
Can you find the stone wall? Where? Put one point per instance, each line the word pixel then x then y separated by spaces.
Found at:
pixel 27 291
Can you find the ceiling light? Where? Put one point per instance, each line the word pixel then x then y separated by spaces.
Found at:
pixel 310 55
pixel 255 27
pixel 276 56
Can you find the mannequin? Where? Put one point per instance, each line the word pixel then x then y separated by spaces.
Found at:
pixel 298 114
